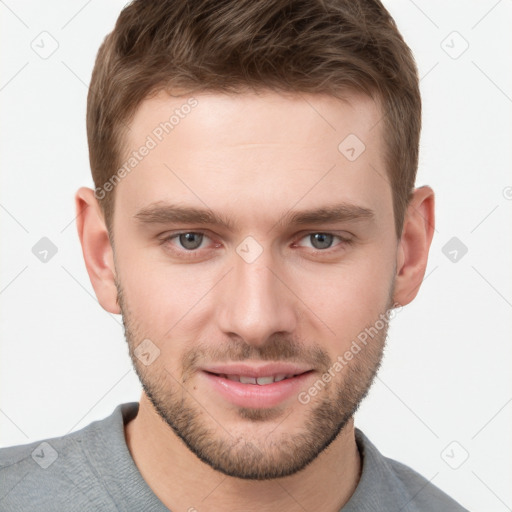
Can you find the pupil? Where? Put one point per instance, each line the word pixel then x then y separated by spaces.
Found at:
pixel 191 240
pixel 321 240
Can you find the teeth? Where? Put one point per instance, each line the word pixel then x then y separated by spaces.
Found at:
pixel 247 380
pixel 265 380
pixel 261 381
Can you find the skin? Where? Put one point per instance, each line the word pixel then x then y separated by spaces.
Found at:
pixel 253 158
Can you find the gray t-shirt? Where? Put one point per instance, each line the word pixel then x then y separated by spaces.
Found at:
pixel 92 469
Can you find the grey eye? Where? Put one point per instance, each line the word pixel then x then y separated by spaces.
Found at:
pixel 191 241
pixel 321 240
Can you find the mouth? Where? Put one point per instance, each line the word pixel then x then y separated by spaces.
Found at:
pixel 257 386
pixel 259 381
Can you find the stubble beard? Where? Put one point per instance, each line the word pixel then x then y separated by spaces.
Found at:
pixel 278 454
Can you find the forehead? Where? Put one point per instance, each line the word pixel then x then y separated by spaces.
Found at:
pixel 263 151
pixel 262 117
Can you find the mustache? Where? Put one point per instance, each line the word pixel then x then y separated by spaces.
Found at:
pixel 277 348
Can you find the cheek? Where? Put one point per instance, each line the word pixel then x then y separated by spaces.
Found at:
pixel 166 301
pixel 348 297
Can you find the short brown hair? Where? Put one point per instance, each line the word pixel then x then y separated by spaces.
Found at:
pixel 302 46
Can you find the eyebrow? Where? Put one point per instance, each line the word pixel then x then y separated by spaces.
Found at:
pixel 165 213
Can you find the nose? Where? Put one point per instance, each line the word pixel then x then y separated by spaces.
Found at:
pixel 255 303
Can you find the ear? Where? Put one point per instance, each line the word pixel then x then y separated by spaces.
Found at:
pixel 412 254
pixel 96 248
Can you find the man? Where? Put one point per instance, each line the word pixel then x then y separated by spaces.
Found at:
pixel 255 222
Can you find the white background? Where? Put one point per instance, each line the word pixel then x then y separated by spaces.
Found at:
pixel 446 375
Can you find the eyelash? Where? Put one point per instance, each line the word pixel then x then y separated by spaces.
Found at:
pixel 194 253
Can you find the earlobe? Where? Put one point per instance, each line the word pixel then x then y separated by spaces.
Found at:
pixel 96 248
pixel 414 245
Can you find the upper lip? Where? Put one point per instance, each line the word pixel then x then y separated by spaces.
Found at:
pixel 257 370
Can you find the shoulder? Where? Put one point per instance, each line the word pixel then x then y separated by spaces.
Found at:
pixel 40 473
pixel 387 484
pixel 56 473
pixel 422 493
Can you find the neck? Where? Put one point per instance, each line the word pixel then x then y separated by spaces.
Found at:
pixel 183 482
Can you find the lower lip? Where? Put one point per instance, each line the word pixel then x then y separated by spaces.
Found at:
pixel 255 396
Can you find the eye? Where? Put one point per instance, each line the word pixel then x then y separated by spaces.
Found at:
pixel 322 241
pixel 190 241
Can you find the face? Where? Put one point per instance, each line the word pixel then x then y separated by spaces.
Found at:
pixel 253 254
